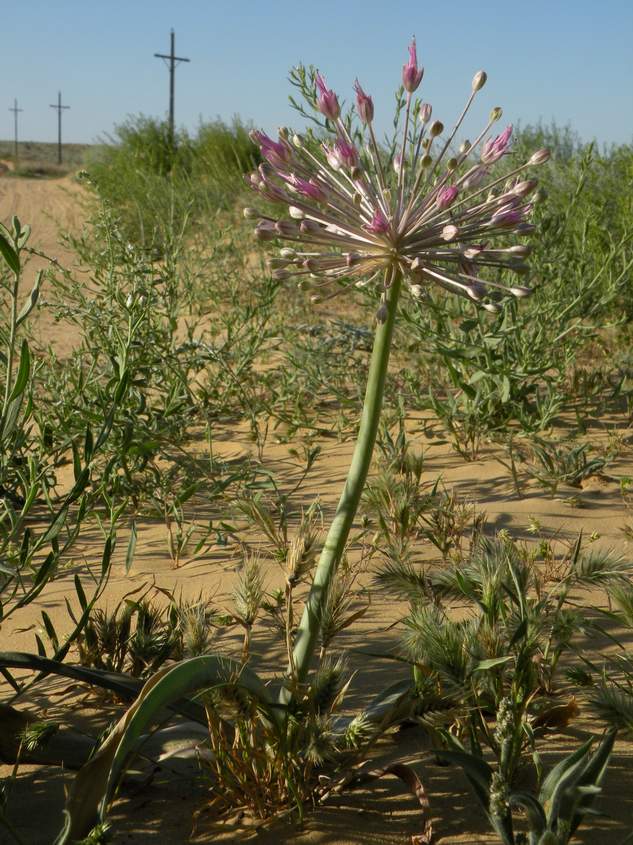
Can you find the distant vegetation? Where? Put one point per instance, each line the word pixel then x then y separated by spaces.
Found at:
pixel 39 159
pixel 159 186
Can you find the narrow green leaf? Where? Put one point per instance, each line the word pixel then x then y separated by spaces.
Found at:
pixel 9 254
pixel 131 548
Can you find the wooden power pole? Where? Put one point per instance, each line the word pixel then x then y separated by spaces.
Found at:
pixel 59 108
pixel 15 111
pixel 171 61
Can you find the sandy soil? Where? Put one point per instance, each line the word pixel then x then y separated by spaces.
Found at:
pixel 384 813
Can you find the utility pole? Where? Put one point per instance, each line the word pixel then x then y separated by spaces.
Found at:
pixel 59 108
pixel 15 111
pixel 171 61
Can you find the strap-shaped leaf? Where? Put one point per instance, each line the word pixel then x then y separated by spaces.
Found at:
pixel 95 784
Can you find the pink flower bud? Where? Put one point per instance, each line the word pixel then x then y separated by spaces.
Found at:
pixel 507 216
pixel 277 154
pixel 446 197
pixel 379 224
pixel 328 102
pixel 411 74
pixel 364 104
pixel 308 188
pixel 493 149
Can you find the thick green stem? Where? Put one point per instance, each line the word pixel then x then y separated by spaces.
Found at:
pixel 336 540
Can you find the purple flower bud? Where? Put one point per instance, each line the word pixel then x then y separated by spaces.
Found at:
pixel 265 231
pixel 411 74
pixel 277 154
pixel 446 197
pixel 379 223
pixel 308 188
pixel 341 154
pixel 328 102
pixel 507 216
pixel 494 148
pixel 364 104
pixel 286 228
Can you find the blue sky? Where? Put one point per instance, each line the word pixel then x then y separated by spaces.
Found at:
pixel 568 60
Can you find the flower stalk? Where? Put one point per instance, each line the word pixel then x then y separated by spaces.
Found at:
pixel 336 540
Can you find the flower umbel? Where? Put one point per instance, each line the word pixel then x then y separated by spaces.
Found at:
pixel 434 213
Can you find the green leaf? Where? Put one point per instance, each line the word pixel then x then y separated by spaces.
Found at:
pixel 24 369
pixel 9 254
pixel 483 665
pixel 31 302
pixel 131 547
pixel 95 784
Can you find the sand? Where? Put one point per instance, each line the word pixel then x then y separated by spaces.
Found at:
pixel 384 813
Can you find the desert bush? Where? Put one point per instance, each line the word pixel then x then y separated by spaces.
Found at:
pixel 159 185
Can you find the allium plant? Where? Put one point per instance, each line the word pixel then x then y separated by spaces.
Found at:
pixel 350 217
pixel 440 215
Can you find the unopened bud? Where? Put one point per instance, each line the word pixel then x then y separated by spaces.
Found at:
pixel 523 189
pixel 464 147
pixel 295 212
pixel 287 252
pixel 446 197
pixel 449 232
pixel 479 80
pixel 437 127
pixel 451 164
pixel 425 112
pixel 265 232
pixel 426 161
pixel 251 214
pixel 382 313
pixel 280 274
pixel 521 250
pixel 539 157
pixel 496 114
pixel 297 140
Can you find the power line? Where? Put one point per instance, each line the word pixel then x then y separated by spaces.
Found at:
pixel 59 108
pixel 171 61
pixel 15 111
